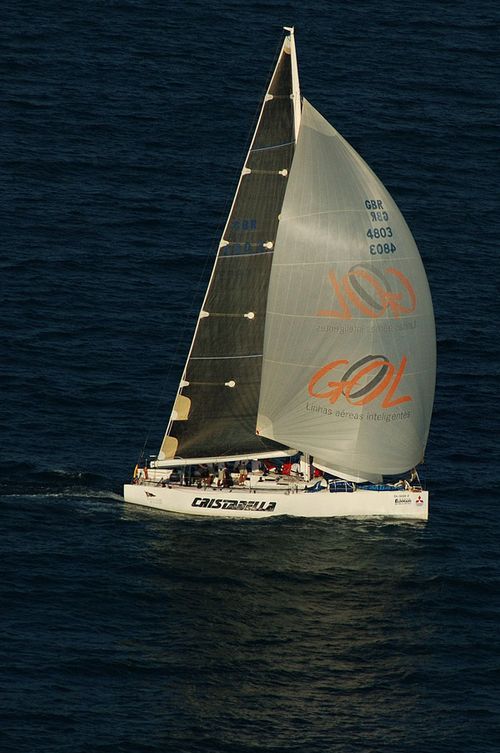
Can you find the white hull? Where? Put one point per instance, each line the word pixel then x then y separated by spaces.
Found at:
pixel 244 503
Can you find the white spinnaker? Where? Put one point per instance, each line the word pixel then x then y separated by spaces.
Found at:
pixel 349 347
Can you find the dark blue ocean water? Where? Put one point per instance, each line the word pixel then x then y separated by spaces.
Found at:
pixel 123 128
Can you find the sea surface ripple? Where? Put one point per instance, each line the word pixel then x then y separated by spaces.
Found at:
pixel 124 124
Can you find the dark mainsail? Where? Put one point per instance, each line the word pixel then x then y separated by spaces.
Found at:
pixel 216 407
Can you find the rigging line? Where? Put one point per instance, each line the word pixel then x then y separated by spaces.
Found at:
pixel 273 146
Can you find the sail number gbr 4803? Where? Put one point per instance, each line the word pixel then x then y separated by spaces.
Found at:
pixel 384 234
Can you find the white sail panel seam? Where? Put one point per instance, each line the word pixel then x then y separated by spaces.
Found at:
pixel 323 211
pixel 348 260
pixel 291 363
pixel 313 366
pixel 351 319
pixel 223 358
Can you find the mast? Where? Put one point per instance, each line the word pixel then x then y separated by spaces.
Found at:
pixel 297 109
pixel 215 410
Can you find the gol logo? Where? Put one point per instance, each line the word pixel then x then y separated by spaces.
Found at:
pixel 364 381
pixel 371 292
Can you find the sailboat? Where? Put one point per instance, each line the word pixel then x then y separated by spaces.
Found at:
pixel 309 383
